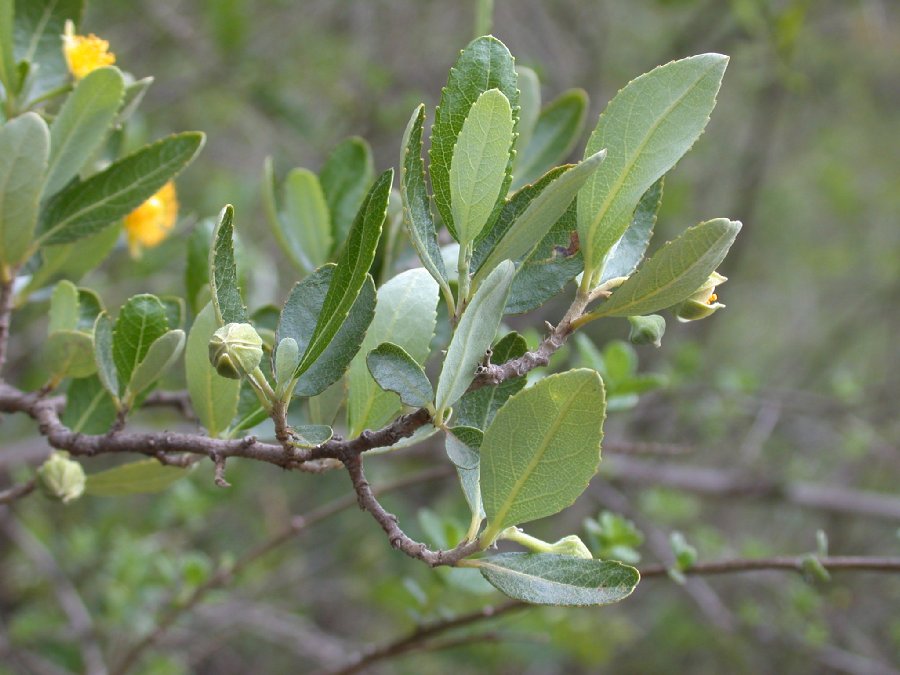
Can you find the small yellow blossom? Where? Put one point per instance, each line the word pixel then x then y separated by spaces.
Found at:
pixel 152 221
pixel 85 53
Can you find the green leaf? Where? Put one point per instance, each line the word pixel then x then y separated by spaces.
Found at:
pixel 351 271
pixel 143 477
pixel 541 214
pixel 214 398
pixel 103 354
pixel 63 307
pixel 223 273
pixel 462 445
pixel 409 294
pixel 24 149
pixel 477 408
pixel 89 307
pixel 72 261
pixel 38 40
pixel 416 205
pixel 628 252
pixel 134 94
pixel 162 354
pixel 9 76
pixel 89 407
pixel 484 64
pixel 196 271
pixel 542 449
pixel 141 321
pixel 551 579
pixel 478 166
pixel 344 178
pixel 81 209
pixel 646 128
pixel 678 269
pixel 529 110
pixel 473 336
pixel 395 370
pixel 175 310
pixel 311 435
pixel 555 135
pixel 70 353
pixel 81 125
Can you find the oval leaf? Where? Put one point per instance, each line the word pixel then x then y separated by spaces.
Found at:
pixel 542 449
pixel 70 353
pixel 550 579
pixel 214 398
pixel 162 354
pixel 141 321
pixel 646 128
pixel 395 370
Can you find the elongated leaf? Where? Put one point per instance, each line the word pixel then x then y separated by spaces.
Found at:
pixel 103 354
pixel 416 205
pixel 81 209
pixel 346 176
pixel 196 271
pixel 350 273
pixel 63 307
pixel 9 76
pixel 223 274
pixel 474 335
pixel 70 353
pixel 646 128
pixel 141 321
pixel 542 449
pixel 89 407
pixel 409 294
pixel 311 435
pixel 395 370
pixel 527 231
pixel 484 64
pixel 477 408
pixel 38 39
pixel 478 167
pixel 214 398
pixel 24 149
pixel 628 252
pixel 550 579
pixel 81 125
pixel 146 476
pixel 160 357
pixel 305 218
pixel 344 346
pixel 462 445
pixel 555 135
pixel 529 110
pixel 678 269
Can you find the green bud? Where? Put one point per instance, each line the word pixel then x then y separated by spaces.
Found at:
pixel 61 478
pixel 287 358
pixel 647 330
pixel 571 545
pixel 235 350
pixel 702 302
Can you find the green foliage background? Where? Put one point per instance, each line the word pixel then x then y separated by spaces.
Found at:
pixel 795 381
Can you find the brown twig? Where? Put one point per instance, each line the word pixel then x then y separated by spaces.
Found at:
pixel 11 494
pixel 6 300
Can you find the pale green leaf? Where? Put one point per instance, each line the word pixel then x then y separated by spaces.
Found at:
pixel 395 370
pixel 555 135
pixel 8 74
pixel 478 167
pixel 474 335
pixel 146 476
pixel 678 269
pixel 103 354
pixel 214 398
pixel 24 150
pixel 628 252
pixel 551 579
pixel 223 274
pixel 542 449
pixel 311 435
pixel 82 124
pixel 484 64
pixel 162 354
pixel 63 307
pixel 141 321
pixel 305 218
pixel 70 353
pixel 646 129
pixel 344 178
pixel 409 294
pixel 72 261
pixel 462 445
pixel 89 407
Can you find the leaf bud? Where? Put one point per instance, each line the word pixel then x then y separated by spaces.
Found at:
pixel 61 478
pixel 235 350
pixel 571 545
pixel 287 358
pixel 647 330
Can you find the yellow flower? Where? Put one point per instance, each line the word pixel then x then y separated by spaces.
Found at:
pixel 85 53
pixel 152 221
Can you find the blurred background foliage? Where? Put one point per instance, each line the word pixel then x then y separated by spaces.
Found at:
pixel 796 382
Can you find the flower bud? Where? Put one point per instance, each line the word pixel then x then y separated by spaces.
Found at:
pixel 647 330
pixel 235 350
pixel 61 478
pixel 571 545
pixel 702 302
